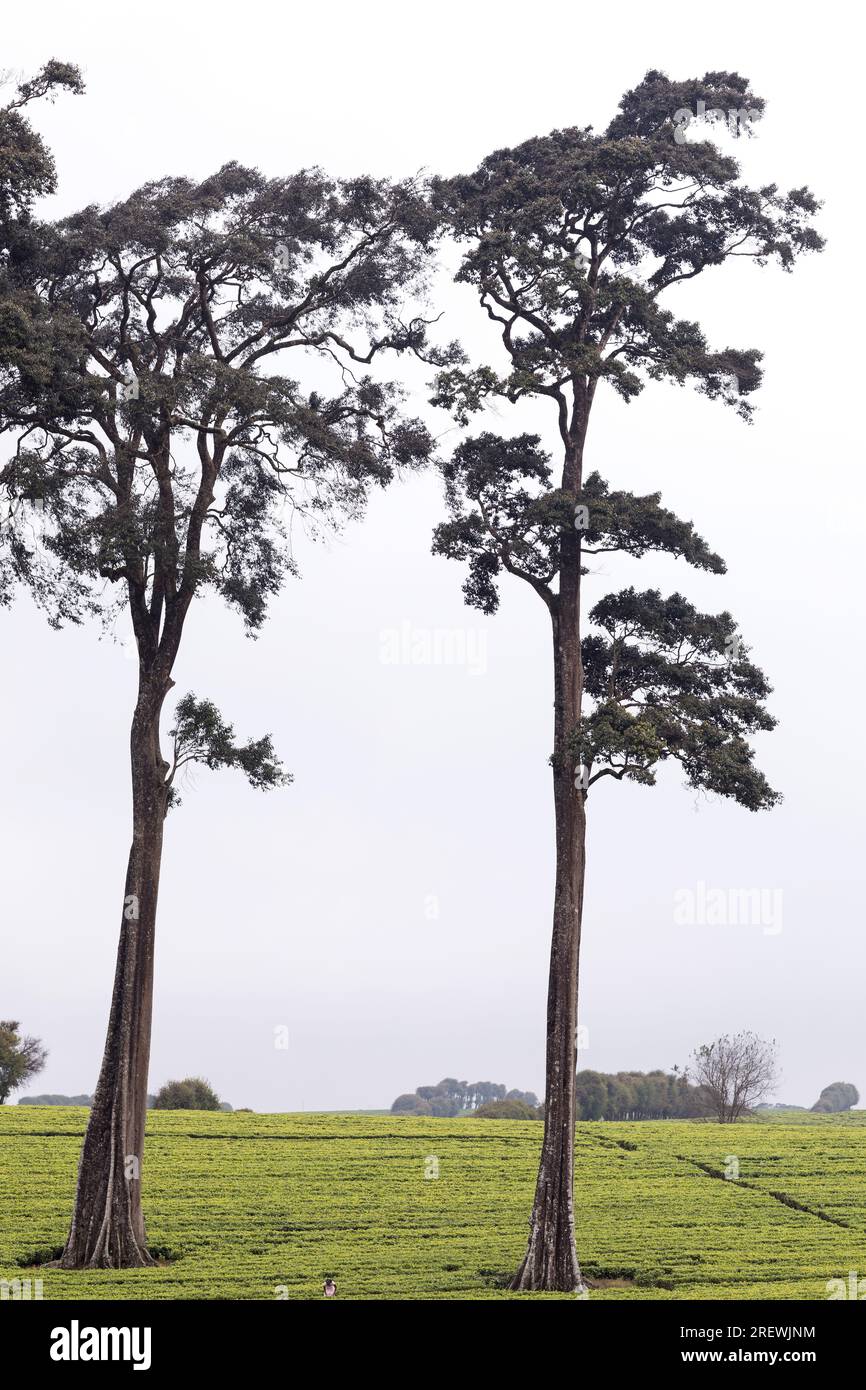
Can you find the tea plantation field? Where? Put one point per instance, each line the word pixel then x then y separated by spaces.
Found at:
pixel 265 1206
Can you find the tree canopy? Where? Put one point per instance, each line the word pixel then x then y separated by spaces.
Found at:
pixel 27 169
pixel 838 1096
pixel 571 239
pixel 133 331
pixel 193 1093
pixel 20 1058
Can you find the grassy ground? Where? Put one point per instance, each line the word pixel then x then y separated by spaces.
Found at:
pixel 264 1206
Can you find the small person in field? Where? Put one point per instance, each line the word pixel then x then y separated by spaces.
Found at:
pixel 330 1287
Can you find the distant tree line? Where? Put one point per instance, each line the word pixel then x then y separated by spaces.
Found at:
pixel 193 1093
pixel 637 1095
pixel 57 1099
pixel 725 1079
pixel 452 1097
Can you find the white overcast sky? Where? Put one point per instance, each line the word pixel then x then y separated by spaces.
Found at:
pixel 391 909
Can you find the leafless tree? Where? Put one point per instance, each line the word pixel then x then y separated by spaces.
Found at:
pixel 735 1072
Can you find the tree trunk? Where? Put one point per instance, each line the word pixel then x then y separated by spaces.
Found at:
pixel 551 1258
pixel 107 1228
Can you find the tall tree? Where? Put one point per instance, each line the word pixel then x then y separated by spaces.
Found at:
pixel 160 457
pixel 570 242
